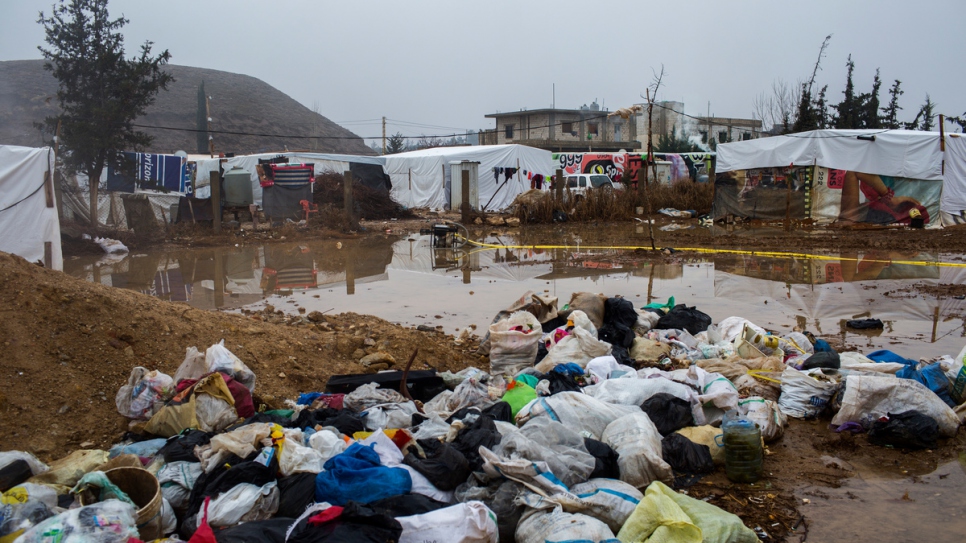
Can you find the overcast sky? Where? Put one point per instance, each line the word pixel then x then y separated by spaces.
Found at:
pixel 445 64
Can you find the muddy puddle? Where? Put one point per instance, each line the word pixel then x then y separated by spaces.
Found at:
pixel 887 504
pixel 404 279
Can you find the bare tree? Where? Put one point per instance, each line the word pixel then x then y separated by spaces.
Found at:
pixel 779 107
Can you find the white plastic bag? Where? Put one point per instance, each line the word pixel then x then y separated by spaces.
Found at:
pixel 36 466
pixel 602 366
pixel 803 396
pixel 109 521
pixel 514 343
pixel 144 394
pixel 470 522
pixel 869 397
pixel 169 520
pixel 370 395
pixel 296 458
pixel 390 415
pixel 244 502
pixel 770 419
pixel 608 500
pixel 327 443
pixel 219 358
pixel 557 526
pixel 193 367
pixel 549 441
pixel 577 411
pixel 637 391
pixel 635 438
pixel 579 347
pixel 176 480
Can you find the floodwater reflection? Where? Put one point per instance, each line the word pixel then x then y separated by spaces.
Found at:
pixel 406 280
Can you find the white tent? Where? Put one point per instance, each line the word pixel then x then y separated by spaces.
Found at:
pixel 29 225
pixel 323 162
pixel 422 178
pixel 907 154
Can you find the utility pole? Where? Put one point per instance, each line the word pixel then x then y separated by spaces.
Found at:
pixel 650 160
pixel 384 135
pixel 211 140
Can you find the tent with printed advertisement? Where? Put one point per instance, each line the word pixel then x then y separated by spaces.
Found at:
pixel 873 176
pixel 29 222
pixel 423 178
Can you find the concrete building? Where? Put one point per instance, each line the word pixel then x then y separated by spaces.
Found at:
pixel 563 130
pixel 725 129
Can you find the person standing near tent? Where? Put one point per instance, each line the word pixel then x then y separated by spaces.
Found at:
pixel 883 206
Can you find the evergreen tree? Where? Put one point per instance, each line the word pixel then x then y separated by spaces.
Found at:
pixel 820 107
pixel 101 92
pixel 670 143
pixel 846 110
pixel 890 117
pixel 396 143
pixel 805 120
pixel 870 105
pixel 928 115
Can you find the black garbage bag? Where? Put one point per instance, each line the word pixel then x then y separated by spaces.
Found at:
pixel 468 441
pixel 541 352
pixel 605 459
pixel 620 311
pixel 668 412
pixel 295 493
pixel 270 418
pixel 444 466
pixel 499 496
pixel 865 324
pixel 423 385
pixel 358 523
pixel 14 473
pixel 560 382
pixel 181 448
pixel 406 505
pixel 500 411
pixel 616 335
pixel 342 420
pixel 233 471
pixel 682 317
pixel 823 359
pixel 686 456
pixel 553 324
pixel 260 531
pixel 909 430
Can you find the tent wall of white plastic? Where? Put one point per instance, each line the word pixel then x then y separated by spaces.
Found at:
pixel 899 153
pixel 323 163
pixel 419 178
pixel 27 222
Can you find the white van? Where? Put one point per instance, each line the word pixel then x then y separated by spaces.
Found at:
pixel 578 184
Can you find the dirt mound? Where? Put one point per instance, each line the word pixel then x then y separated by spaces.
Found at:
pixel 369 203
pixel 68 345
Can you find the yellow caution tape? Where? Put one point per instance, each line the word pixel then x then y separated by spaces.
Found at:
pixel 705 250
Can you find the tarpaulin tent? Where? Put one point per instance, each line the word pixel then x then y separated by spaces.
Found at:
pixel 28 212
pixel 827 175
pixel 365 168
pixel 422 178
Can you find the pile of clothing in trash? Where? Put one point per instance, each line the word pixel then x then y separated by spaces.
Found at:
pixel 588 419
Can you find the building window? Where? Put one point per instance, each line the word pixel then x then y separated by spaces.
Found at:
pixel 508 131
pixel 617 132
pixel 704 136
pixel 592 129
pixel 746 136
pixel 567 128
pixel 723 136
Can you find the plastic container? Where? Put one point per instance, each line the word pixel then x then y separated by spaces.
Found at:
pixel 743 452
pixel 959 386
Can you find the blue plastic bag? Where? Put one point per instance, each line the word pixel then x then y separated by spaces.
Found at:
pixel 357 475
pixel 932 375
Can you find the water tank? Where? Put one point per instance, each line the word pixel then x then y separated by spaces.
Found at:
pixel 238 188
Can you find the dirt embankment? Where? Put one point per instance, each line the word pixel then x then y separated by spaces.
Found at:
pixel 68 345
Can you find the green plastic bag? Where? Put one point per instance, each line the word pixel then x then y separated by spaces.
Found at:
pixel 666 516
pixel 663 307
pixel 520 395
pixel 527 379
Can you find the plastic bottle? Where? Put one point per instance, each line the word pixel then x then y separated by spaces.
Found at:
pixel 743 452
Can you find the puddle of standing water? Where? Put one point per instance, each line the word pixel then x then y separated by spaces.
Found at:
pixel 871 506
pixel 407 281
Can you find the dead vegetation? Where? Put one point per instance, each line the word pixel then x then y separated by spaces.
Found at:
pixel 614 205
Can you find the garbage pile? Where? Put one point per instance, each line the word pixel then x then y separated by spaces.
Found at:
pixel 587 420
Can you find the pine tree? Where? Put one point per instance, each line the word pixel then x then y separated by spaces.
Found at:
pixel 870 107
pixel 890 117
pixel 928 115
pixel 670 143
pixel 846 116
pixel 820 107
pixel 395 144
pixel 805 120
pixel 101 92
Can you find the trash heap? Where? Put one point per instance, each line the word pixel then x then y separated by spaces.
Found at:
pixel 586 421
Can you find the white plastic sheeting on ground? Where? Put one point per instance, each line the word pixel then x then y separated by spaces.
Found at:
pixel 422 178
pixel 26 219
pixel 899 153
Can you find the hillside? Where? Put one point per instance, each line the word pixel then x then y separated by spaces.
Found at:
pixel 239 103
